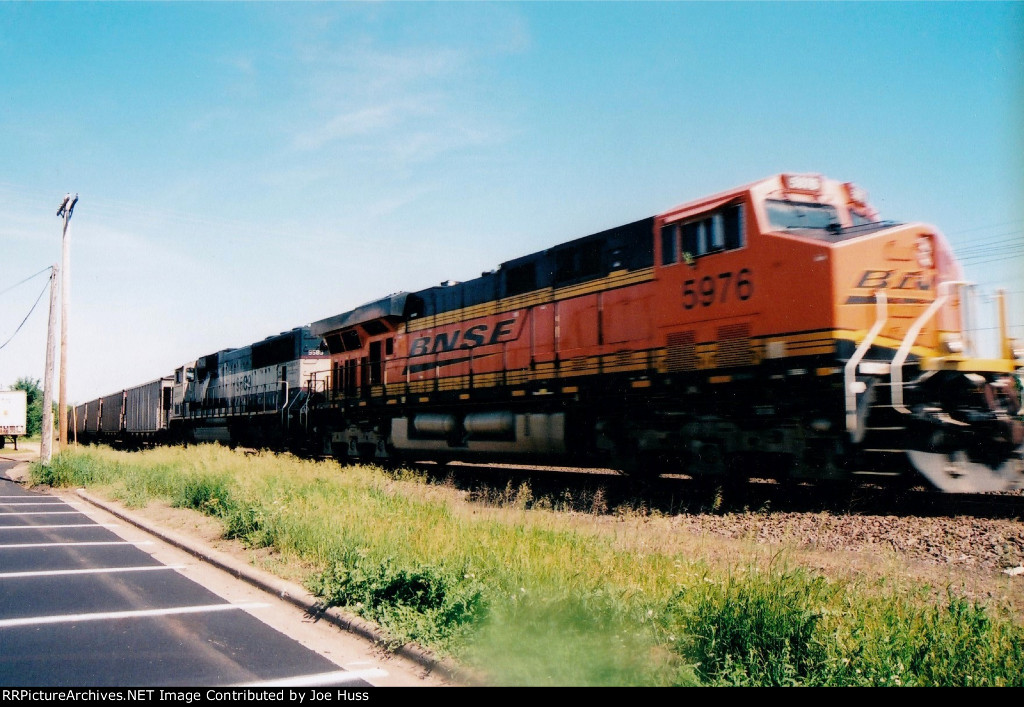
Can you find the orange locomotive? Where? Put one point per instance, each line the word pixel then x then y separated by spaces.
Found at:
pixel 779 327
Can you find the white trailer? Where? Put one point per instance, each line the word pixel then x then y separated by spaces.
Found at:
pixel 13 415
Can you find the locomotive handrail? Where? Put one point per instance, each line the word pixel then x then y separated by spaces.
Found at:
pixel 850 371
pixel 304 410
pixel 1005 343
pixel 284 402
pixel 896 372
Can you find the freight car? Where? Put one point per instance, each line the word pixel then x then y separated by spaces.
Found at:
pixel 146 410
pixel 111 416
pixel 779 326
pixel 138 415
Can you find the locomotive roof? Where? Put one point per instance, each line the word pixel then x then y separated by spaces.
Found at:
pixel 390 306
pixel 628 246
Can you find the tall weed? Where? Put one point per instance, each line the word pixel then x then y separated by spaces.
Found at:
pixel 425 603
pixel 752 629
pixel 792 628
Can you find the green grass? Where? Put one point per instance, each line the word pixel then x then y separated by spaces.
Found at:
pixel 535 597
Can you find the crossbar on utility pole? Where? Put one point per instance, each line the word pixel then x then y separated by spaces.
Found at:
pixel 67 207
pixel 46 446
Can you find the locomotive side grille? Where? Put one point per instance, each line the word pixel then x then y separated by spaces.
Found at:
pixel 734 346
pixel 453 383
pixel 682 351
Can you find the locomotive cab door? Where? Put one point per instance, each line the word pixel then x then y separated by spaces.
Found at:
pixel 375 359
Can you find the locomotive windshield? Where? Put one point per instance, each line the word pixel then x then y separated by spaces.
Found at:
pixel 789 215
pixel 819 221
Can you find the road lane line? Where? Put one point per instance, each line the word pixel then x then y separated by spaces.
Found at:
pixel 16 546
pixel 61 525
pixel 42 513
pixel 113 615
pixel 337 677
pixel 89 570
pixel 34 503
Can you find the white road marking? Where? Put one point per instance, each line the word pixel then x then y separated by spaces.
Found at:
pixel 14 546
pixel 61 525
pixel 113 615
pixel 337 677
pixel 41 513
pixel 34 503
pixel 90 570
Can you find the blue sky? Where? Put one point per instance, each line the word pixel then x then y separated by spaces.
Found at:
pixel 249 167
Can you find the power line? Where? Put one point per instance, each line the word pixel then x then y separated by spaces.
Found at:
pixel 998 252
pixel 995 252
pixel 47 268
pixel 1004 240
pixel 981 240
pixel 980 260
pixel 29 313
pixel 981 228
pixel 993 257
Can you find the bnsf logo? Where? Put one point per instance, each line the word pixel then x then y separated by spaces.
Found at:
pixel 894 279
pixel 477 335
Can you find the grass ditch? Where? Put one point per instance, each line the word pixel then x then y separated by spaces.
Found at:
pixel 535 597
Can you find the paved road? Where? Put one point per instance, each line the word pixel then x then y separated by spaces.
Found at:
pixel 83 605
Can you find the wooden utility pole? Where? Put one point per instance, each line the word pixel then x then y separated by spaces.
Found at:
pixel 46 447
pixel 67 207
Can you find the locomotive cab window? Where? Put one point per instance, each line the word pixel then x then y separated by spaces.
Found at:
pixel 732 227
pixel 350 340
pixel 792 215
pixel 716 232
pixel 861 219
pixel 670 244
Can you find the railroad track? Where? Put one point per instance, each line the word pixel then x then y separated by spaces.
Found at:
pixel 978 505
pixel 575 489
pixel 978 533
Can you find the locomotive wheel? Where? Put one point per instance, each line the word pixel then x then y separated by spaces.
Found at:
pixel 954 472
pixel 979 447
